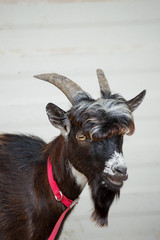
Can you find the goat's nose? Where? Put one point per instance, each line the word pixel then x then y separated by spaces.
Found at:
pixel 121 169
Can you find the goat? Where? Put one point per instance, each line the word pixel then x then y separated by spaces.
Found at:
pixel 89 149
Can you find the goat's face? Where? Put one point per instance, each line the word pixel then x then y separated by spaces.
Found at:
pixel 94 131
pixel 96 137
pixel 100 161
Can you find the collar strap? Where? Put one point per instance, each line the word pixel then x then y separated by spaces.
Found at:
pixel 60 197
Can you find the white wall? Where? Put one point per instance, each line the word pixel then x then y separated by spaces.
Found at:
pixel 74 38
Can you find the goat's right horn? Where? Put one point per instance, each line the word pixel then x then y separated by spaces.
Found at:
pixel 72 91
pixel 103 83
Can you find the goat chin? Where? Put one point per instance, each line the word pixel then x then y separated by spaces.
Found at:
pixel 102 199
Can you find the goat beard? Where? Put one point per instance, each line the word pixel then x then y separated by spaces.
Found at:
pixel 103 198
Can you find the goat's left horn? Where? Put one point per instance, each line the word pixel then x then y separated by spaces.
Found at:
pixel 103 83
pixel 72 91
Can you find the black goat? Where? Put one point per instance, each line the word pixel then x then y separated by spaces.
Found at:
pixel 89 149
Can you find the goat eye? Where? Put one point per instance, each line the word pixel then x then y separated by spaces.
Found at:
pixel 81 137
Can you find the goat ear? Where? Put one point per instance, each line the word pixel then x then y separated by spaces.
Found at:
pixel 58 118
pixel 136 101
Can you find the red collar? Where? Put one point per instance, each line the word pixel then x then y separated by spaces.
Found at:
pixel 60 198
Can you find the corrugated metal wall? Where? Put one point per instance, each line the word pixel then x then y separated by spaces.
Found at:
pixel 73 38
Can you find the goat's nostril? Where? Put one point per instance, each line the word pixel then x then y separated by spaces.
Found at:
pixel 121 169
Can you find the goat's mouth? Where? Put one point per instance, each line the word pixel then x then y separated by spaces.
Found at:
pixel 114 182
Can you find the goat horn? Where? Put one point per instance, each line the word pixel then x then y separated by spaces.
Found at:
pixel 72 91
pixel 103 83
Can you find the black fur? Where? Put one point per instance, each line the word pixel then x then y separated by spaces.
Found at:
pixel 28 209
pixel 92 116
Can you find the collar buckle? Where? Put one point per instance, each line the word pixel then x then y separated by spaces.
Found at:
pixel 61 196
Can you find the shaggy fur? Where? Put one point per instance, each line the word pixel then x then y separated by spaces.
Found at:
pixel 103 118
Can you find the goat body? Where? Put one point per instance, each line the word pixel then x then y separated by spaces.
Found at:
pixel 89 149
pixel 28 209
